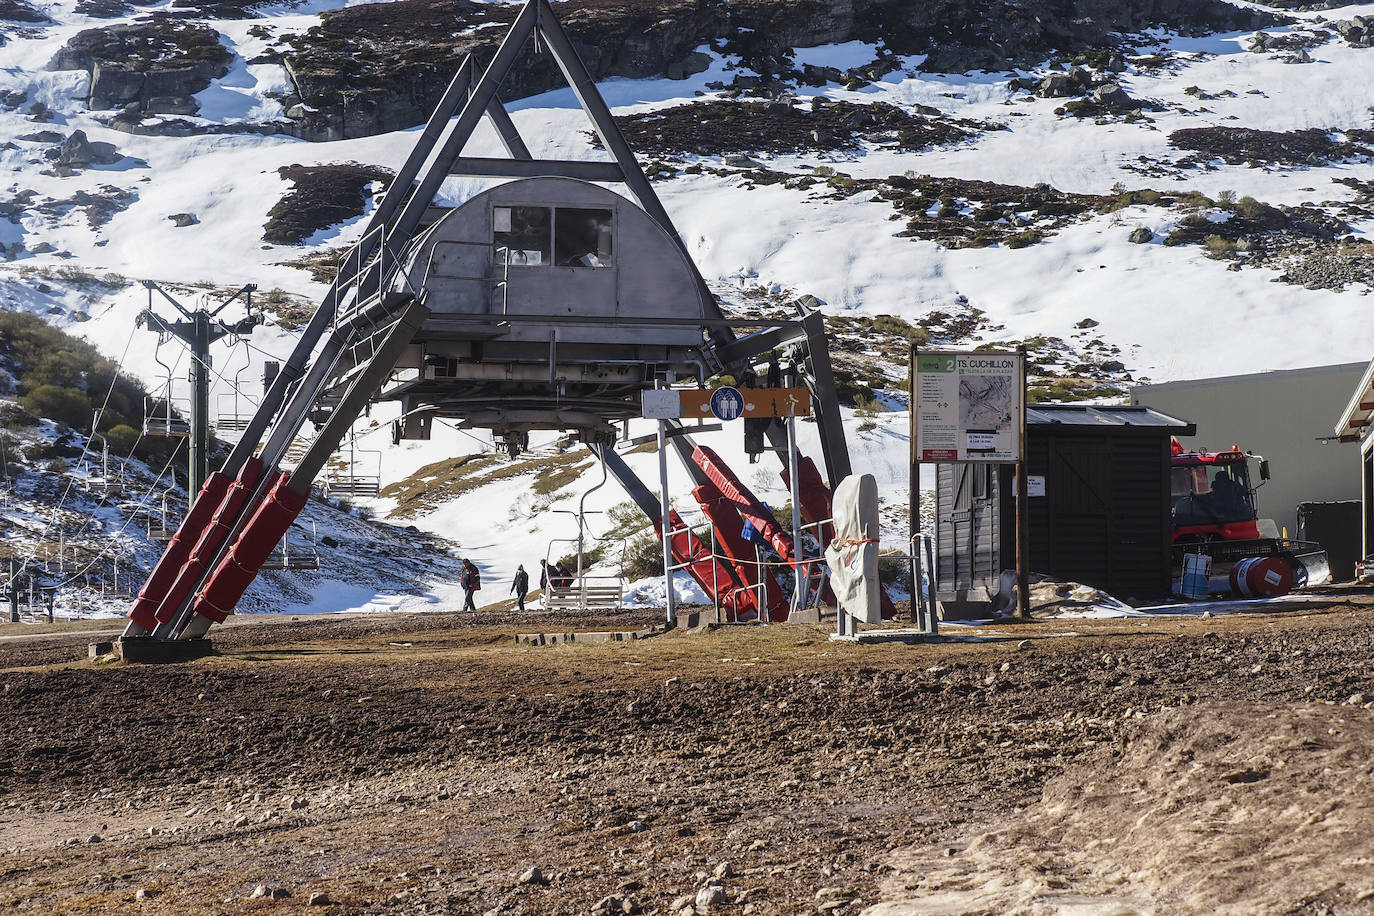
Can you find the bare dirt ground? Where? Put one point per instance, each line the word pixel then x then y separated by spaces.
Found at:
pixel 427 764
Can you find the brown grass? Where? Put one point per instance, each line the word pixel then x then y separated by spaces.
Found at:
pixel 451 478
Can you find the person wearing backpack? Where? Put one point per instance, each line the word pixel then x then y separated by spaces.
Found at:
pixel 520 585
pixel 471 581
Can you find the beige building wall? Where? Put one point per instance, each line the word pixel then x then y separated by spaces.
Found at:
pixel 1281 415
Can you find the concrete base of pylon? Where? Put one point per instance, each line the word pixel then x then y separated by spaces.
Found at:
pixel 152 651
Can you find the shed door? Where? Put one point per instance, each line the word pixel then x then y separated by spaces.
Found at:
pixel 969 531
pixel 1078 482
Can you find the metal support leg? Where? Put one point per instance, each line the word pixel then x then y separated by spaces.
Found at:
pixel 190 625
pixel 827 406
pixel 798 589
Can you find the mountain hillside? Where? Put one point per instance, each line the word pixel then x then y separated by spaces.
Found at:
pixel 87 500
pixel 1142 189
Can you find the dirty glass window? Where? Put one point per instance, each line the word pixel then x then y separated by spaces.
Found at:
pixel 582 237
pixel 982 481
pixel 524 233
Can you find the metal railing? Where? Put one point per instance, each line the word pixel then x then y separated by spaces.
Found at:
pixel 368 280
pixel 817 570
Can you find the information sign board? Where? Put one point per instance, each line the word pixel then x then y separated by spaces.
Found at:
pixel 968 406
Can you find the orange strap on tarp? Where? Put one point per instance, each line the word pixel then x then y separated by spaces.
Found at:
pixel 852 542
pixel 144 609
pixel 211 537
pixel 231 578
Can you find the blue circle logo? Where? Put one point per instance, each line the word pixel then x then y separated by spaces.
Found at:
pixel 727 403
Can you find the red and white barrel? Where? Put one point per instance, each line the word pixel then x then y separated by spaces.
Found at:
pixel 1262 577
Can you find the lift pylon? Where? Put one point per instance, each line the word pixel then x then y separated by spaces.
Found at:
pixel 199 330
pixel 601 301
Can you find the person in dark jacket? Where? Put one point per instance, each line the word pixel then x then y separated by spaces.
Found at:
pixel 520 585
pixel 471 581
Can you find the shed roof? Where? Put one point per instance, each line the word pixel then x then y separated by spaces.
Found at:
pixel 1105 415
pixel 1359 413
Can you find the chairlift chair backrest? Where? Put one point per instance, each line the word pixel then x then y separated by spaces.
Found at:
pixel 295 553
pixel 160 419
pixel 352 482
pixel 239 411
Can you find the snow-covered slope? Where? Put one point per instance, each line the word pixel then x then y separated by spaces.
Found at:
pixel 1164 306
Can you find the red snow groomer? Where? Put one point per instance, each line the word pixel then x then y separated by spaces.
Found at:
pixel 1213 511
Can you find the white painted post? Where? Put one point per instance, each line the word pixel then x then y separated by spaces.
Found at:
pixel 792 456
pixel 763 591
pixel 664 525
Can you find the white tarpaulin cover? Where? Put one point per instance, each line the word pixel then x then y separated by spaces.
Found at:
pixel 853 555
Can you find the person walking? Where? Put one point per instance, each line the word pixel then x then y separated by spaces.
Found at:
pixel 471 581
pixel 520 585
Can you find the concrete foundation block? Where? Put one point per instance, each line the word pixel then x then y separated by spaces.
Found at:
pixel 147 650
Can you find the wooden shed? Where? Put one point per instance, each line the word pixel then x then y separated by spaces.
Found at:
pixel 1098 512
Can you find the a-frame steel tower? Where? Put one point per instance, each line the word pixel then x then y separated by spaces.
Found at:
pixel 547 302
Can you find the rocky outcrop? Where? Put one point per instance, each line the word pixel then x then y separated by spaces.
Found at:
pixel 1237 145
pixel 1112 97
pixel 156 65
pixel 77 151
pixel 1358 31
pixel 413 46
pixel 321 196
pixel 1024 33
pixel 1064 85
pixel 709 128
pixel 19 11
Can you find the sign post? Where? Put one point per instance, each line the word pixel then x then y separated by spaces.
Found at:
pixel 665 526
pixel 922 614
pixel 1022 506
pixel 793 458
pixel 969 407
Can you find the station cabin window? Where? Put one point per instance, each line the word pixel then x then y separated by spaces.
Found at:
pixel 522 235
pixel 560 236
pixel 581 237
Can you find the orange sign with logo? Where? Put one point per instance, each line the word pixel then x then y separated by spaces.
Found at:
pixel 758 402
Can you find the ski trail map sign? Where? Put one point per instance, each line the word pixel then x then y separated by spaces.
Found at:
pixel 968 407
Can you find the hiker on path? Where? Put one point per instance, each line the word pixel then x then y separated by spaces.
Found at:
pixel 471 582
pixel 520 585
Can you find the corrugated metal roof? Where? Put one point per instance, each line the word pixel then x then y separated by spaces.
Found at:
pixel 1105 415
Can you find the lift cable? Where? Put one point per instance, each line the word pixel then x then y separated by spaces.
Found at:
pixel 57 510
pixel 153 488
pixel 114 377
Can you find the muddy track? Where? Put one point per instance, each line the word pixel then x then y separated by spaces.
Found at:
pixel 438 749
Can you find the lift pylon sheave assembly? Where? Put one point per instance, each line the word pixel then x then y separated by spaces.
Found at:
pixel 198 331
pixel 545 302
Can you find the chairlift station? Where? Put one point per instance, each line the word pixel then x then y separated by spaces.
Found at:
pixel 552 303
pixel 547 302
